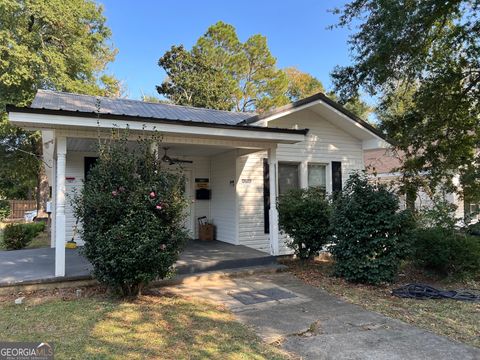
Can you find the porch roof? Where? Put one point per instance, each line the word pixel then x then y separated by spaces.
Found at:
pixel 63 111
pixel 55 100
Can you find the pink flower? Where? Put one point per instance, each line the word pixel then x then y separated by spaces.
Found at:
pixel 163 247
pixel 158 207
pixel 114 193
pixel 152 194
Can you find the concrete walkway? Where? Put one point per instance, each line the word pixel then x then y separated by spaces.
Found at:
pixel 315 325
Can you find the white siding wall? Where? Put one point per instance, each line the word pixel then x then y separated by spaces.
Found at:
pixel 325 143
pixel 75 168
pixel 251 230
pixel 223 203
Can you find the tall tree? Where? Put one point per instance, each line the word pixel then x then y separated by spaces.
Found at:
pixel 301 84
pixel 430 47
pixel 55 44
pixel 192 81
pixel 222 72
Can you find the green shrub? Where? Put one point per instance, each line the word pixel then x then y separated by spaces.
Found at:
pixel 447 253
pixel 17 236
pixel 304 215
pixel 4 209
pixel 132 212
pixel 371 235
pixel 440 215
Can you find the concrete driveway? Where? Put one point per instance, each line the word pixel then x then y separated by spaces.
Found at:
pixel 312 324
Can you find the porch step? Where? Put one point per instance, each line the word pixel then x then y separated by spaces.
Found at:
pixel 220 274
pixel 205 265
pixel 87 281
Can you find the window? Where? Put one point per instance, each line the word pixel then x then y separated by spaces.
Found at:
pixel 89 162
pixel 317 175
pixel 472 211
pixel 336 176
pixel 287 177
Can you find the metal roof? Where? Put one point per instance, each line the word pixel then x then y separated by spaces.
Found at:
pixel 54 100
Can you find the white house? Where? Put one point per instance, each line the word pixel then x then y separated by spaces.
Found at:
pixel 242 158
pixel 384 163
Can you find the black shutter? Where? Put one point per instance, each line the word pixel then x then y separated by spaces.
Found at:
pixel 336 176
pixel 88 164
pixel 266 196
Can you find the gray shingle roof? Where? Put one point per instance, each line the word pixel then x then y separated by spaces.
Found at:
pixel 53 100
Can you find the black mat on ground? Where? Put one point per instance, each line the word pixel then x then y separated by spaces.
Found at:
pixel 421 291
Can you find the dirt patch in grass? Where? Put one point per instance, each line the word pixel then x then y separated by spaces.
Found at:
pixel 156 325
pixel 455 319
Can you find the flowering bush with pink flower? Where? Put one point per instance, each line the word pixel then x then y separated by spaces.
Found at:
pixel 132 213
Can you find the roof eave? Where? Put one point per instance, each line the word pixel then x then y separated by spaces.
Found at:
pixel 239 126
pixel 320 97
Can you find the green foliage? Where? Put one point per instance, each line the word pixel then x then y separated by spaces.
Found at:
pixel 18 168
pixel 17 236
pixel 422 59
pixel 192 81
pixel 131 209
pixel 55 44
pixel 371 235
pixel 447 253
pixel 440 215
pixel 221 72
pixel 304 215
pixel 4 209
pixel 301 84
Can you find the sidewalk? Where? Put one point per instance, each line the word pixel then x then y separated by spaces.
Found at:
pixel 310 323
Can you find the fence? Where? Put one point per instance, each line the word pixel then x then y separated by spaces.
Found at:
pixel 19 207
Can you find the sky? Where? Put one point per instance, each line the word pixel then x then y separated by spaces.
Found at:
pixel 296 33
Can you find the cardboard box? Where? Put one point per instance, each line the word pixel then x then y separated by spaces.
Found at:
pixel 206 232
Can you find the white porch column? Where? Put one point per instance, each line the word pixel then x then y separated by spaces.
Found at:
pixel 154 149
pixel 304 174
pixel 53 203
pixel 60 207
pixel 272 162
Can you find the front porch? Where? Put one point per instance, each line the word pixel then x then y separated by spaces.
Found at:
pixel 235 161
pixel 36 266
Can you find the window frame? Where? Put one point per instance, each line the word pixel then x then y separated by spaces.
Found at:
pixel 318 163
pixel 288 163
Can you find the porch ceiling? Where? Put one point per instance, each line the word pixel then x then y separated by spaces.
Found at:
pixel 175 149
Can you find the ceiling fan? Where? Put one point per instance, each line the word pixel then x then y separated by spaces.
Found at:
pixel 173 161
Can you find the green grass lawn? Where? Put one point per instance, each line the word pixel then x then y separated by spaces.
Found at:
pixel 455 319
pixel 152 326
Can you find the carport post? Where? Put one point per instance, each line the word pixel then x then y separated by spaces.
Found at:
pixel 272 162
pixel 60 207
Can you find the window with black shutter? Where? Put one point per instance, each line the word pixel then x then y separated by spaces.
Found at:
pixel 336 176
pixel 89 162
